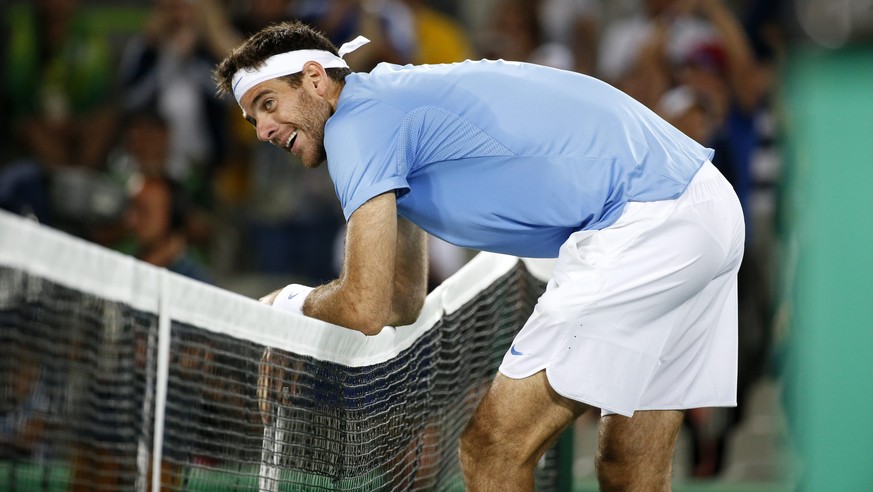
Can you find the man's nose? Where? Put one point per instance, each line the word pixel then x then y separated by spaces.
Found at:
pixel 266 130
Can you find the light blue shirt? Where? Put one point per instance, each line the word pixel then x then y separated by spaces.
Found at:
pixel 500 156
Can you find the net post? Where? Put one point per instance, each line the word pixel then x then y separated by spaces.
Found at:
pixel 142 450
pixel 272 448
pixel 267 475
pixel 268 478
pixel 162 376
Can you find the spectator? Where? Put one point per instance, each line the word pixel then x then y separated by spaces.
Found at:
pixel 144 151
pixel 388 24
pixel 635 51
pixel 724 68
pixel 58 76
pixel 516 33
pixel 58 85
pixel 144 147
pixel 79 200
pixel 26 404
pixel 157 219
pixel 258 14
pixel 441 39
pixel 169 67
pixel 225 28
pixel 574 24
pixel 290 218
pixel 103 397
pixel 512 33
pixel 287 218
pixel 697 43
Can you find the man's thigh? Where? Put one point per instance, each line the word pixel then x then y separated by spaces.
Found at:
pixel 522 417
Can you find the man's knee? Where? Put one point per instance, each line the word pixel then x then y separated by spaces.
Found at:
pixel 483 448
pixel 614 472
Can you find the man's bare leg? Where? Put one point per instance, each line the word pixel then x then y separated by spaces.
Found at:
pixel 516 422
pixel 636 454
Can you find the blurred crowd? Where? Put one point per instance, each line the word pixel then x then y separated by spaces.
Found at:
pixel 113 133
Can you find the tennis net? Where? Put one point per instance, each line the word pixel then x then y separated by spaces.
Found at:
pixel 115 375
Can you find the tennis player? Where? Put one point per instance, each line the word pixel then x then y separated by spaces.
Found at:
pixel 640 317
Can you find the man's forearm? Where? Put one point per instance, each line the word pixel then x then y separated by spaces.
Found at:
pixel 383 280
pixel 319 302
pixel 335 303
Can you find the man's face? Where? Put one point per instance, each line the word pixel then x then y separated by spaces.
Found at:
pixel 149 215
pixel 290 118
pixel 148 143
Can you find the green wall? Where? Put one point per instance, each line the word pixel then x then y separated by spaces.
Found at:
pixel 828 118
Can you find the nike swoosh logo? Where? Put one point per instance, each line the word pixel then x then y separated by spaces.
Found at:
pixel 293 295
pixel 515 352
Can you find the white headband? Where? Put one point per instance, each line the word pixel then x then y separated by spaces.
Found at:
pixel 291 62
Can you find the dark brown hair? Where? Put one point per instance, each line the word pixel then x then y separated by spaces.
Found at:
pixel 273 40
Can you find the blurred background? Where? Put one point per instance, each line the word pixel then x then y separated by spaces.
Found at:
pixel 111 131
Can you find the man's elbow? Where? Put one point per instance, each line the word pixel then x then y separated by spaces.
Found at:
pixel 371 321
pixel 406 319
pixel 370 329
pixel 373 325
pixel 407 312
pixel 402 313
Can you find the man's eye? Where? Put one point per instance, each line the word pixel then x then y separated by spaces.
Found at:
pixel 268 104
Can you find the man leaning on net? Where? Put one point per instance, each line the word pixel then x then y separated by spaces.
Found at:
pixel 640 316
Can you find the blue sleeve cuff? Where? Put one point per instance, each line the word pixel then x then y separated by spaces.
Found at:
pixel 395 183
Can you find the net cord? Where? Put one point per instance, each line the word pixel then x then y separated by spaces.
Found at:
pixel 91 269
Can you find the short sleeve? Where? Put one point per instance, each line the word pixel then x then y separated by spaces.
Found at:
pixel 362 153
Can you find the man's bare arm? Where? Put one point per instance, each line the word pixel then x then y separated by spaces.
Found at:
pixel 410 273
pixel 362 297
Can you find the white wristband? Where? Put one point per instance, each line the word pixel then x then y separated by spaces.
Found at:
pixel 291 298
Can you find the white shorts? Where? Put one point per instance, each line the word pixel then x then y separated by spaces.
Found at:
pixel 642 315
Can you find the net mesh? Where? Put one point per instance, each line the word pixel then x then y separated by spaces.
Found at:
pixel 96 391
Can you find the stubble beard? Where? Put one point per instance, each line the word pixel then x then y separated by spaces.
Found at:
pixel 316 114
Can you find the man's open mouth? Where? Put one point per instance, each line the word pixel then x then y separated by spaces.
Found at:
pixel 291 139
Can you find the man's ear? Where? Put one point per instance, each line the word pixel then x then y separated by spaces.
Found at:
pixel 315 78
